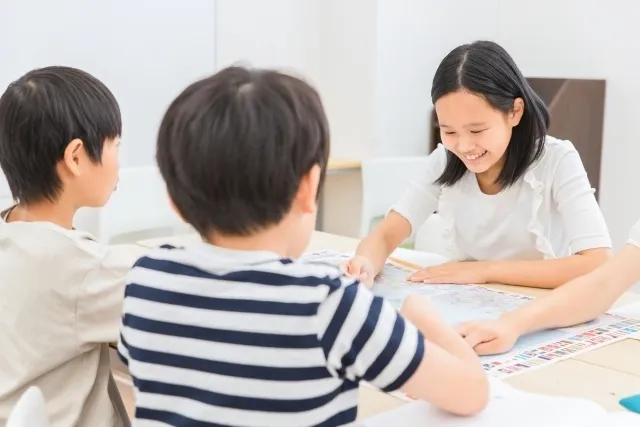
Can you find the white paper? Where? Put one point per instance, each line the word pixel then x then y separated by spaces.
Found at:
pixel 508 407
pixel 463 303
pixel 617 419
pixel 328 256
pixel 629 310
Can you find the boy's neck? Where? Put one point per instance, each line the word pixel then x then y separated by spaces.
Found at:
pixel 269 240
pixel 54 212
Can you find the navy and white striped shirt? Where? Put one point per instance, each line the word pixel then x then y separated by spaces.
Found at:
pixel 216 337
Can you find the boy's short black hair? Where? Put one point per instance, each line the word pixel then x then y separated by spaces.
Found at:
pixel 233 147
pixel 40 114
pixel 486 69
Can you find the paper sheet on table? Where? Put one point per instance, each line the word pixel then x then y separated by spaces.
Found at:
pixel 418 258
pixel 629 310
pixel 617 419
pixel 463 303
pixel 510 407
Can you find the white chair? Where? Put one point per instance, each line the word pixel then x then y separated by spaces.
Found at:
pixel 138 209
pixel 30 411
pixel 383 181
pixel 5 202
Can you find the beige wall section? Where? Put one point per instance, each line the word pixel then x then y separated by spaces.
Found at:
pixel 343 203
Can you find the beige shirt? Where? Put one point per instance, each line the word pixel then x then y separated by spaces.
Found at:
pixel 61 298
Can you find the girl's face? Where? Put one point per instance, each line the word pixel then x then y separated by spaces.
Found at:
pixel 475 131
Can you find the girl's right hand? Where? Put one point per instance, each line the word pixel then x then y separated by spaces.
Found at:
pixel 361 269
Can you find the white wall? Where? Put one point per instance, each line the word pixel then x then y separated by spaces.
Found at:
pixel 553 39
pixel 590 39
pixel 145 51
pixel 412 38
pixel 330 43
pixel 380 57
pixel 283 34
pixel 373 62
pixel 572 38
pixel 403 59
pixel 348 80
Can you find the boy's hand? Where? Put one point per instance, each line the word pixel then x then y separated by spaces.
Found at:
pixel 360 268
pixel 489 336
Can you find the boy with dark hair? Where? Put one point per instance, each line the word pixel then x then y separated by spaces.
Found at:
pixel 60 290
pixel 236 331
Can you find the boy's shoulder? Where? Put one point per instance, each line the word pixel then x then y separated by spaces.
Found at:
pixel 201 261
pixel 43 241
pixel 39 238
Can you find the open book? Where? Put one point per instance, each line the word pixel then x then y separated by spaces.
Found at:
pixel 510 407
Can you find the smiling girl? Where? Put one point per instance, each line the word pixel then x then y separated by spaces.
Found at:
pixel 516 204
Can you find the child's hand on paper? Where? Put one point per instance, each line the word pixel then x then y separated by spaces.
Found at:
pixel 489 336
pixel 467 272
pixel 360 268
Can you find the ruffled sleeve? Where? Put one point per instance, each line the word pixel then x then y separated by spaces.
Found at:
pixel 562 186
pixel 574 198
pixel 535 226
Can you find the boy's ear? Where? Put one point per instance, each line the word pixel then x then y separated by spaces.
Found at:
pixel 307 195
pixel 72 157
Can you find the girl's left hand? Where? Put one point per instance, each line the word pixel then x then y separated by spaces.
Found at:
pixel 466 272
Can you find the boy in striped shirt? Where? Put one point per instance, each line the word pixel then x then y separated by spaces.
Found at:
pixel 235 331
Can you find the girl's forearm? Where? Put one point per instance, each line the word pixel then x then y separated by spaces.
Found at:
pixel 375 249
pixel 582 299
pixel 548 274
pixel 384 239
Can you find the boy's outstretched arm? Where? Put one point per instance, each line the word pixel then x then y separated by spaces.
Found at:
pixel 449 362
pixel 364 338
pixel 420 311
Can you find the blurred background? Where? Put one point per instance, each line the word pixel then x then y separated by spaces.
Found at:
pixel 372 62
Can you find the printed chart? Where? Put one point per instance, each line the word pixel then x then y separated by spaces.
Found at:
pixel 545 347
pixel 463 303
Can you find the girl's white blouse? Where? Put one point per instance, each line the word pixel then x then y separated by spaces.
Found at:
pixel 551 212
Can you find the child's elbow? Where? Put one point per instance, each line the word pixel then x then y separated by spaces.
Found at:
pixel 476 396
pixel 590 260
pixel 595 258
